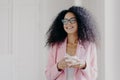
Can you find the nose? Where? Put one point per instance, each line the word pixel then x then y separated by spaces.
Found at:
pixel 69 23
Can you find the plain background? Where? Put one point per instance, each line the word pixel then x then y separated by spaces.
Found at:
pixel 23 26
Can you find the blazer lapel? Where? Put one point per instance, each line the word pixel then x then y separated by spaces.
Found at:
pixel 61 51
pixel 80 51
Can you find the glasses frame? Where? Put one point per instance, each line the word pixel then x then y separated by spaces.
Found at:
pixel 71 20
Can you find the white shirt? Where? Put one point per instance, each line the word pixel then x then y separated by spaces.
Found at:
pixel 70 72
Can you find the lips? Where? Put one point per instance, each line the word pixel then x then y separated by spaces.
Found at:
pixel 69 27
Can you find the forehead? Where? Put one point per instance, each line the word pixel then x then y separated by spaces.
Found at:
pixel 69 15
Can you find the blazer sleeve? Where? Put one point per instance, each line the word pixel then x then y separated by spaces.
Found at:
pixel 90 72
pixel 51 71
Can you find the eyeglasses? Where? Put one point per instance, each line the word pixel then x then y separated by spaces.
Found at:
pixel 71 20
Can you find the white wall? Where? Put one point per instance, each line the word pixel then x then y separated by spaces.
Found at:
pixel 6 57
pixel 20 40
pixel 112 38
pixel 26 39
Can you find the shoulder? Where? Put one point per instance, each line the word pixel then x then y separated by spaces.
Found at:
pixel 55 47
pixel 92 46
pixel 89 45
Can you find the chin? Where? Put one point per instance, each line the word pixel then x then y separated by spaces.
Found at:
pixel 70 32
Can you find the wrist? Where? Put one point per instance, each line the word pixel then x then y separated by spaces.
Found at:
pixel 83 66
pixel 59 69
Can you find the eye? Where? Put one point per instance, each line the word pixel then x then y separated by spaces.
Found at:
pixel 73 20
pixel 64 21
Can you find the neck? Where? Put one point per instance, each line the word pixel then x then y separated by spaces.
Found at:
pixel 72 38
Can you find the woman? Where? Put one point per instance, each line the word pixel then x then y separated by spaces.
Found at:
pixel 72 53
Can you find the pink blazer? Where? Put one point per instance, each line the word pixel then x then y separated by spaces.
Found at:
pixel 58 52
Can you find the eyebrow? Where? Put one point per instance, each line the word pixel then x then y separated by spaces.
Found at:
pixel 70 18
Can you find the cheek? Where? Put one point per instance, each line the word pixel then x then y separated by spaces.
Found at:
pixel 76 26
pixel 64 27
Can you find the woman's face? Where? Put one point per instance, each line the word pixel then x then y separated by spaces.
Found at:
pixel 70 23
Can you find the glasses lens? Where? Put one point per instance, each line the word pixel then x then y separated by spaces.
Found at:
pixel 72 20
pixel 64 21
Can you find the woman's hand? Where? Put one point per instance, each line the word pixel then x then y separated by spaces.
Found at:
pixel 64 63
pixel 61 65
pixel 81 66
